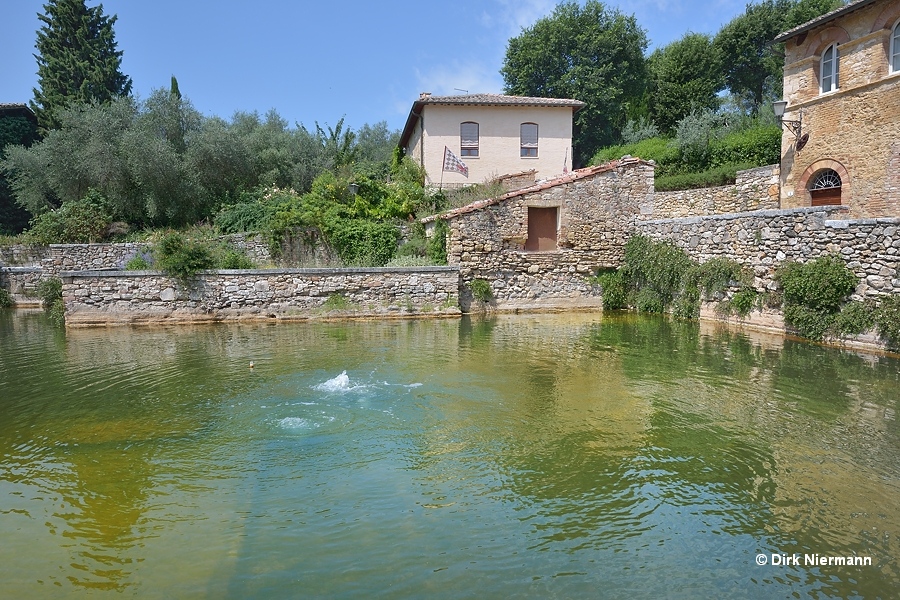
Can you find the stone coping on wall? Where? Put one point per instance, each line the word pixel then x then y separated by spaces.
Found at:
pixel 303 271
pixel 772 212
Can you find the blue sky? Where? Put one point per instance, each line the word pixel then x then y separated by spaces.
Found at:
pixel 320 61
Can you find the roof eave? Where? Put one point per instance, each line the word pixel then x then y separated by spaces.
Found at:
pixel 819 21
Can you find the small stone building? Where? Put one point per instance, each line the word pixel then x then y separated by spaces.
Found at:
pixel 539 246
pixel 842 84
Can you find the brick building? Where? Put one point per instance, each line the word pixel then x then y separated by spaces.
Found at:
pixel 842 84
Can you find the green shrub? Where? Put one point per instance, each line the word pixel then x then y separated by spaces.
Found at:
pixel 50 293
pixel 659 266
pixel 6 300
pixel 437 243
pixel 721 175
pixel 810 323
pixel 744 301
pixel 813 293
pixel 244 216
pixel 854 318
pixel 658 149
pixel 416 245
pixel 614 293
pixel 78 222
pixel 180 257
pixel 648 300
pixel 360 242
pixel 718 274
pixel 820 284
pixel 235 259
pixel 481 290
pixel 887 319
pixel 138 262
pixel 757 146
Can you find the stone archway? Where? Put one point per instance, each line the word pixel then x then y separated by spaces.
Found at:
pixel 816 185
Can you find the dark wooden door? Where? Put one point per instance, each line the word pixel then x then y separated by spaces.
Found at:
pixel 541 229
pixel 826 196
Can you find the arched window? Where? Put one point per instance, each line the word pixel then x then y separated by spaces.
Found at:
pixel 830 69
pixel 468 139
pixel 528 140
pixel 825 187
pixel 895 48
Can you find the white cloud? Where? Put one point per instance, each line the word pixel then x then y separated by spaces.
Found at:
pixel 449 79
pixel 514 15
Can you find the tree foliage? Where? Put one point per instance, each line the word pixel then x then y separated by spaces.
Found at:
pixel 77 59
pixel 590 53
pixel 685 76
pixel 158 162
pixel 14 131
pixel 752 65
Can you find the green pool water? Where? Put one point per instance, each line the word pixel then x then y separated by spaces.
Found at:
pixel 537 456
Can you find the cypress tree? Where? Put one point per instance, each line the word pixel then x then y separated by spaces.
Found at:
pixel 77 59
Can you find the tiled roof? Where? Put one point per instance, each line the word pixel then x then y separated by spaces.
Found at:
pixel 479 100
pixel 17 109
pixel 499 100
pixel 537 187
pixel 847 8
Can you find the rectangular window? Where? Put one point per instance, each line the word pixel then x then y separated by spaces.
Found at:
pixel 468 139
pixel 541 229
pixel 528 140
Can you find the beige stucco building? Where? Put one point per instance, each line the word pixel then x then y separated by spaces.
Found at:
pixel 842 84
pixel 492 134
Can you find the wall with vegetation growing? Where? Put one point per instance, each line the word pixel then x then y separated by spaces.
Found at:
pixel 763 240
pixel 149 297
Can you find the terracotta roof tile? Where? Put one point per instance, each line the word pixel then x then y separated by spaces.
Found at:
pixel 783 37
pixel 537 187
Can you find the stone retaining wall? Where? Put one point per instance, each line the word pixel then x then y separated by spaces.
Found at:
pixel 754 189
pixel 763 240
pixel 21 283
pixel 143 297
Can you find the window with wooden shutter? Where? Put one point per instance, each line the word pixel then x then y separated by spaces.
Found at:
pixel 528 140
pixel 468 139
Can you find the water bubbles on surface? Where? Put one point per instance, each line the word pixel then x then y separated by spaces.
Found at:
pixel 302 423
pixel 294 423
pixel 340 383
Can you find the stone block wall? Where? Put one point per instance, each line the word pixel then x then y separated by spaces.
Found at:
pixel 147 297
pixel 22 256
pixel 754 189
pixel 22 283
pixel 763 240
pixel 68 257
pixel 597 211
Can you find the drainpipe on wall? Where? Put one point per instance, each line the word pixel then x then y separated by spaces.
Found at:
pixel 422 138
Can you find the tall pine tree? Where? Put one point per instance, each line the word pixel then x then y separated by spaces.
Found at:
pixel 77 59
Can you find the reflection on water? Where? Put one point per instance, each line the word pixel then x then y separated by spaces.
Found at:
pixel 526 456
